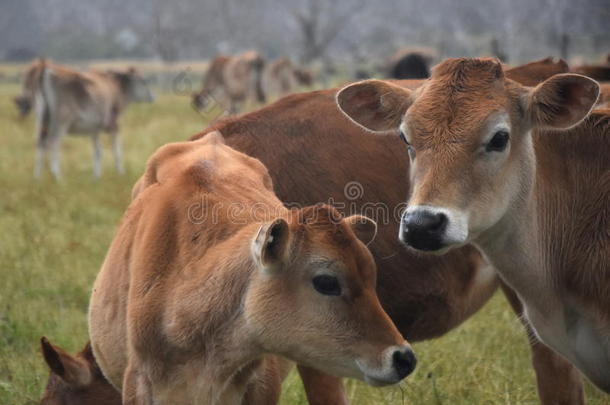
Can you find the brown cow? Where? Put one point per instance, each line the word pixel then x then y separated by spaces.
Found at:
pixel 209 273
pixel 597 72
pixel 75 380
pixel 281 78
pixel 72 102
pixel 535 72
pixel 233 80
pixel 409 63
pixel 537 204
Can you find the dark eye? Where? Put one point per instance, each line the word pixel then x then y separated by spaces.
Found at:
pixel 409 147
pixel 498 142
pixel 326 285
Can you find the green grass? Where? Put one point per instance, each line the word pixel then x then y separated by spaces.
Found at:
pixel 53 238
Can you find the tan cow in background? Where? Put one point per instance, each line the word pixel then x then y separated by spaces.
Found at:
pixel 281 77
pixel 209 274
pixel 232 81
pixel 72 102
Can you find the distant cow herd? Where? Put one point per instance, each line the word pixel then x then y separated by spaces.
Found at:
pixel 500 175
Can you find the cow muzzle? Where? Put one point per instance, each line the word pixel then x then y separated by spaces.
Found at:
pixel 397 362
pixel 433 229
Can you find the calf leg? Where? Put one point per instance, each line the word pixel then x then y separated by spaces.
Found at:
pixel 559 382
pixel 117 150
pixel 137 389
pixel 55 156
pixel 322 389
pixel 97 155
pixel 41 149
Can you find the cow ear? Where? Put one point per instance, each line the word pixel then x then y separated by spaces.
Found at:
pixel 74 371
pixel 375 105
pixel 270 245
pixel 562 101
pixel 364 227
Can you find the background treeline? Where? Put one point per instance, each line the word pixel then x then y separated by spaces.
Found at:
pixel 347 30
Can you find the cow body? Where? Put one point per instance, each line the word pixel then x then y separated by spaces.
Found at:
pixel 410 64
pixel 71 102
pixel 209 273
pixel 514 171
pixel 233 81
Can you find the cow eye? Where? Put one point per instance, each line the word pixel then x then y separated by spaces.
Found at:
pixel 498 142
pixel 326 285
pixel 409 147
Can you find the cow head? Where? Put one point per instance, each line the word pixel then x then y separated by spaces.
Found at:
pixel 75 380
pixel 133 86
pixel 313 298
pixel 23 104
pixel 468 130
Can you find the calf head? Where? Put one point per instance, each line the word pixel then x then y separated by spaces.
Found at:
pixel 133 86
pixel 468 133
pixel 312 297
pixel 75 380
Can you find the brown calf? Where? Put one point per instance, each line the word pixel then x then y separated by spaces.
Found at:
pixel 209 273
pixel 75 380
pixel 513 170
pixel 233 80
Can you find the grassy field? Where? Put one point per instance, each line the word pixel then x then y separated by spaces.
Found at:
pixel 53 238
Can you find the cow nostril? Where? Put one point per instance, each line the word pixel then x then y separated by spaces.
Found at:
pixel 438 222
pixel 404 362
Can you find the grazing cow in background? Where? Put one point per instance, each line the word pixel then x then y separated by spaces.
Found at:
pixel 234 80
pixel 72 102
pixel 410 64
pixel 75 380
pixel 212 82
pixel 195 294
pixel 281 78
pixel 425 296
pixel 523 174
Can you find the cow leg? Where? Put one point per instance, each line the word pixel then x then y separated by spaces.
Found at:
pixel 322 389
pixel 97 155
pixel 117 150
pixel 559 382
pixel 41 150
pixel 55 137
pixel 137 389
